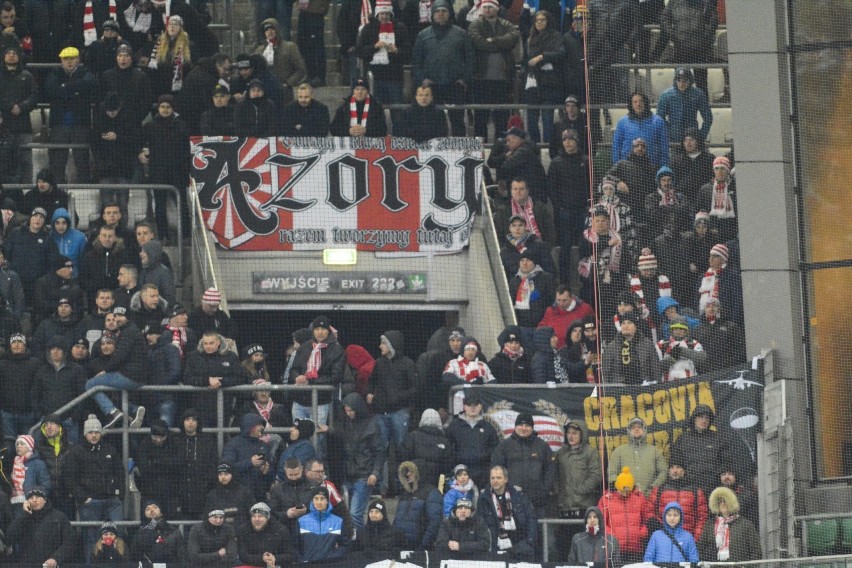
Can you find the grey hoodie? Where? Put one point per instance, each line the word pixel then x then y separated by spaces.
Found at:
pixel 597 548
pixel 156 273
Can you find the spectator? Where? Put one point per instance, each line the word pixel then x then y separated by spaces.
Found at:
pixel 256 115
pixel 719 198
pixel 11 289
pixel 696 249
pixel 254 67
pixel 428 448
pixel 281 12
pixel 601 243
pixel 18 369
pixel 58 382
pixel 640 122
pixel 418 512
pixel 218 120
pixel 519 240
pixel 147 307
pixel 729 536
pixel 746 493
pixel 422 120
pixel 469 368
pixel 463 535
pixel 680 103
pixel 70 242
pixel 430 368
pixel 99 56
pixel 646 462
pixel 529 462
pixel 679 488
pixel 594 544
pixel 378 535
pixel 166 153
pixel 299 445
pixel 315 473
pixel 549 364
pixel 568 186
pixel 667 207
pixel 264 541
pixel 158 472
pixel 290 496
pixel 648 286
pixel 321 530
pixel 630 358
pixel 384 47
pixel 63 323
pixel 98 483
pixel 635 176
pixel 230 496
pixel 537 212
pixel 193 99
pixel 359 115
pixel 213 543
pixel 197 455
pixel 18 97
pixel 545 71
pixel 626 514
pixel 52 444
pixel 70 90
pixel 172 58
pixel 42 535
pixel 510 518
pixel 494 40
pixel 114 141
pixel 511 365
pixel 311 42
pixel 131 83
pixel 579 479
pixel 209 316
pixel 319 361
pixel 110 548
pixel 100 265
pixel 273 414
pixel 306 116
pixel 721 338
pixel 111 216
pixel 154 271
pixel 682 355
pixel 443 57
pixel 251 456
pixel 282 56
pixel 60 283
pixel 28 471
pixel 566 309
pixel 692 164
pixel 610 27
pixel 517 158
pixel 45 194
pixel 157 540
pixel 460 487
pixel 572 118
pixel 128 285
pixel 533 290
pixel 711 285
pixel 691 25
pixel 213 366
pixel 672 543
pixel 474 438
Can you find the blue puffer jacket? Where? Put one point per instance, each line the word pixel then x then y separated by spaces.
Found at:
pixel 680 109
pixel 418 513
pixel 454 494
pixel 37 474
pixel 70 244
pixel 321 535
pixel 662 548
pixel 666 302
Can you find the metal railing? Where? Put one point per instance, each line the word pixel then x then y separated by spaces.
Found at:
pixel 805 519
pixel 546 524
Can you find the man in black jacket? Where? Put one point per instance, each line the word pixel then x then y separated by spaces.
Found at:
pixel 474 438
pixel 305 116
pixel 264 541
pixel 360 115
pixel 198 455
pixel 510 517
pixel 18 96
pixel 422 120
pixel 41 535
pixel 290 498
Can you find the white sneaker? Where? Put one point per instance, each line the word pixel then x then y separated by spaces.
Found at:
pixel 113 417
pixel 140 416
pixel 131 484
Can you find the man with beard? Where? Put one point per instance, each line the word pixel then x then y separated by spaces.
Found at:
pixel 157 540
pixel 305 116
pixel 264 541
pixel 41 535
pixel 289 498
pixel 360 115
pixel 630 358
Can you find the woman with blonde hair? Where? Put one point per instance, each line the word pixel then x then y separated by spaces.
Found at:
pixel 727 536
pixel 172 57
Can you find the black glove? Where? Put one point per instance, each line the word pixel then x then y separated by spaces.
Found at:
pixel 675 352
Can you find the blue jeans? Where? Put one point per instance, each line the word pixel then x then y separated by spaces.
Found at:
pixel 392 427
pixel 359 496
pixel 98 510
pixel 114 380
pixel 301 412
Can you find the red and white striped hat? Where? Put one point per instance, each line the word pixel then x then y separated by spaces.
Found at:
pixel 211 296
pixel 383 6
pixel 647 260
pixel 720 250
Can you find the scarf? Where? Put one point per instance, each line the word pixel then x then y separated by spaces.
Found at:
pixel 386 35
pixel 463 488
pixel 471 370
pixel 614 254
pixel 513 355
pixel 507 501
pixel 366 10
pixel 560 372
pixel 269 52
pixel 90 34
pixel 664 289
pixel 709 286
pixel 177 70
pixel 722 530
pixel 722 206
pixel 264 410
pixel 139 21
pixel 178 338
pixel 520 243
pixel 19 471
pixel 526 290
pixel 526 212
pixel 353 112
pixel 315 360
pixel 667 198
pixel 425 9
pixel 613 206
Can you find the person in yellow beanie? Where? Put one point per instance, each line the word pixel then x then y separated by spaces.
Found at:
pixel 626 512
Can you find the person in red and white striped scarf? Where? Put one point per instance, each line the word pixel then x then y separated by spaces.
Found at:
pixel 360 115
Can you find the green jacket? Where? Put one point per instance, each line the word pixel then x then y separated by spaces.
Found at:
pixel 744 542
pixel 646 463
pixel 580 474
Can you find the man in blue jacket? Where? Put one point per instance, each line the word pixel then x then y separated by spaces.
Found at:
pixel 680 105
pixel 321 531
pixel 510 517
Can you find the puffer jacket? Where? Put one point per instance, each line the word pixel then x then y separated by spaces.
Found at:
pixel 393 382
pixel 693 504
pixel 662 547
pixel 626 519
pixel 418 513
pixel 472 535
pixel 321 535
pixel 531 465
pixel 429 448
pixel 364 450
pixel 474 442
pixel 579 472
pixel 204 542
pixel 71 243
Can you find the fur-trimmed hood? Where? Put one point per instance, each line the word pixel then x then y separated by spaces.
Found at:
pixel 727 495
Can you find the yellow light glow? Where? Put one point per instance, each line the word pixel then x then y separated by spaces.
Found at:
pixel 339 256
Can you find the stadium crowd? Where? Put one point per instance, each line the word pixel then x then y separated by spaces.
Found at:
pixel 652 257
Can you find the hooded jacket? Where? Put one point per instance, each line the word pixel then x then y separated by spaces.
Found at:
pixel 647 126
pixel 579 472
pixel 288 65
pixel 239 451
pixel 392 383
pixel 626 518
pixel 545 357
pixel 689 496
pixel 429 448
pixel 116 157
pixel 744 539
pixel 680 108
pixel 443 54
pixel 321 535
pixel 647 367
pixel 662 547
pixel 645 461
pixel 29 253
pixel 329 373
pixel 598 548
pixel 531 465
pixel 70 244
pixel 364 452
pixel 419 510
pixel 156 273
pixel 198 455
pixel 205 541
pixel 255 117
pixel 312 120
pixel 666 302
pixel 41 535
pixel 100 266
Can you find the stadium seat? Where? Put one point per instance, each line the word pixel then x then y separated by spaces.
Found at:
pixel 86 204
pixel 715 84
pixel 661 79
pixel 845 534
pixel 137 206
pixel 721 132
pixel 721 49
pixel 822 537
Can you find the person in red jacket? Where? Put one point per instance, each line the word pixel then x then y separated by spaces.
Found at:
pixel 626 512
pixel 691 498
pixel 564 310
